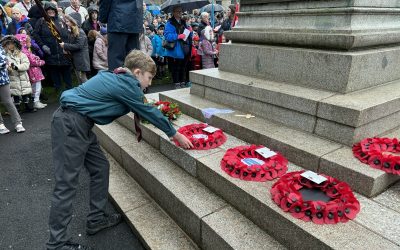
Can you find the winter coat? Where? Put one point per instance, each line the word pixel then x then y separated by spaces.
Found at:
pixel 43 36
pixel 14 26
pixel 115 13
pixel 88 25
pixel 79 48
pixel 34 72
pixel 158 49
pixel 34 15
pixel 145 45
pixel 172 30
pixel 100 54
pixel 208 53
pixel 19 79
pixel 4 79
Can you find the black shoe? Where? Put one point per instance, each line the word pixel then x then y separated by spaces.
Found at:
pixel 108 221
pixel 74 246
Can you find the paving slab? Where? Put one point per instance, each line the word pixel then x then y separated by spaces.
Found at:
pixel 380 219
pixel 390 198
pixel 228 229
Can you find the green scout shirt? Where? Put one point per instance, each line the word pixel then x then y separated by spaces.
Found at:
pixel 107 96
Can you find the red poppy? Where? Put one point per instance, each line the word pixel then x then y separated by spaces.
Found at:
pixel 377 152
pixel 342 207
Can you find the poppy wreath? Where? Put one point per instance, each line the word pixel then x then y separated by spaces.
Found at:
pixel 342 207
pixel 377 152
pixel 201 139
pixel 232 164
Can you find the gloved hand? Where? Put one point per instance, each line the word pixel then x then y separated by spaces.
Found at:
pixel 181 36
pixel 46 49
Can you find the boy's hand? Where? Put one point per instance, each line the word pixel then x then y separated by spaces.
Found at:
pixel 183 141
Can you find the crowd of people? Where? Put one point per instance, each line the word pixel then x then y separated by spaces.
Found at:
pixel 31 52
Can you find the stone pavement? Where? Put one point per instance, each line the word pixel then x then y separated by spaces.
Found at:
pixel 26 183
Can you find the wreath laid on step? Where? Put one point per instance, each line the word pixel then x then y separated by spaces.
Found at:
pixel 201 139
pixel 339 203
pixel 245 163
pixel 379 153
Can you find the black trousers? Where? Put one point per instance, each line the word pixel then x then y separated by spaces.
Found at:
pixel 119 45
pixel 75 147
pixel 178 68
pixel 56 72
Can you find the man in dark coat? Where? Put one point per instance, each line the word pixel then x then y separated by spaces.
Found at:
pixel 124 20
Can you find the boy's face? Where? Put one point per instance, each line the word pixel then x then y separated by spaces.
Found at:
pixel 144 78
pixel 160 31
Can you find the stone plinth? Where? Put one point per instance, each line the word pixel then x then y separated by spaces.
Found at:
pixel 340 46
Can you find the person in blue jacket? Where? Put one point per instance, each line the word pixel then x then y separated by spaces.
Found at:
pixel 178 57
pixel 159 51
pixel 124 19
pixel 100 100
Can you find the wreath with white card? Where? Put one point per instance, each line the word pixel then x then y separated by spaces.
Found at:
pixel 379 153
pixel 203 136
pixel 318 198
pixel 253 163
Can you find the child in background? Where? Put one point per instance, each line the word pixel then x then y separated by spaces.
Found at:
pixel 34 72
pixel 92 35
pixel 5 97
pixel 145 43
pixel 100 61
pixel 159 51
pixel 35 48
pixel 20 85
pixel 208 52
pixel 77 45
pixel 196 57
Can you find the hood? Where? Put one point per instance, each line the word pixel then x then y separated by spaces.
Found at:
pixel 8 39
pixel 22 39
pixel 92 8
pixel 34 12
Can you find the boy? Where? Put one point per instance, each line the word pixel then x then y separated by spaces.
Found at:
pixel 100 100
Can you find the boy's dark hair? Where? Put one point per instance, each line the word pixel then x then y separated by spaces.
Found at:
pixel 136 59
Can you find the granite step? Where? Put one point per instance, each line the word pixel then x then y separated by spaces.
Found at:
pixel 350 116
pixel 304 149
pixel 252 200
pixel 142 213
pixel 206 218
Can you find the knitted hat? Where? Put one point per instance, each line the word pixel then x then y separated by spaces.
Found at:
pixel 77 18
pixel 103 30
pixel 10 39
